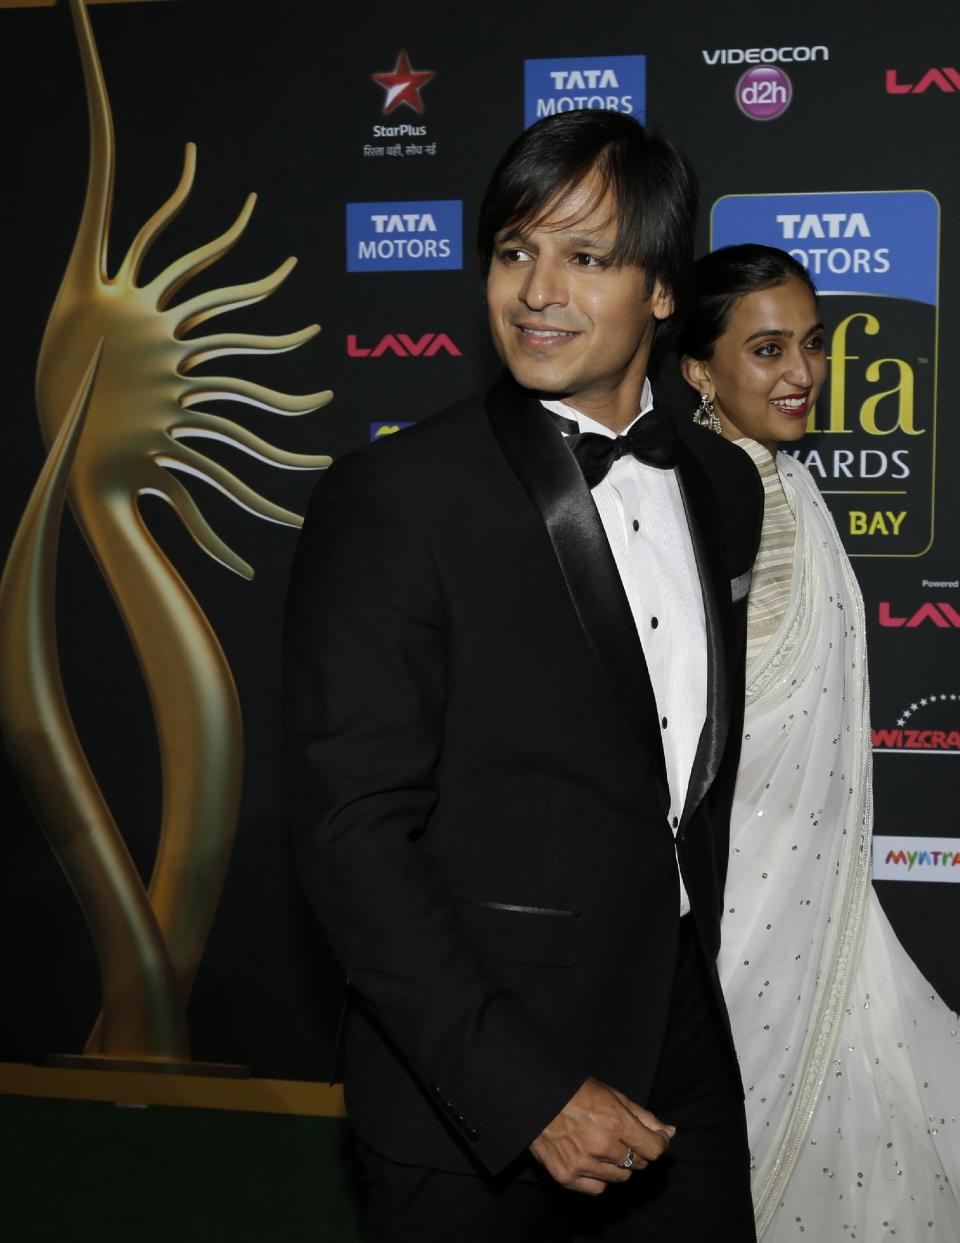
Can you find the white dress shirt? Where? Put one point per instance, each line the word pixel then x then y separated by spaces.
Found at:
pixel 646 526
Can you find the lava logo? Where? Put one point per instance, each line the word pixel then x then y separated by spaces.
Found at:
pixel 764 93
pixel 874 256
pixel 405 237
pixel 379 430
pixel 427 345
pixel 926 727
pixel 916 858
pixel 946 80
pixel 614 83
pixel 403 85
pixel 942 615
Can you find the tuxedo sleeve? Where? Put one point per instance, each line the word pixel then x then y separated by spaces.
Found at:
pixel 364 704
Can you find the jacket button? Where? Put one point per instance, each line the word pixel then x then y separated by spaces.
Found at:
pixel 436 1089
pixel 459 1119
pixel 472 1133
pixel 448 1106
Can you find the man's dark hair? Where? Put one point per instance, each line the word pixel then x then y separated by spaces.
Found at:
pixel 650 181
pixel 721 279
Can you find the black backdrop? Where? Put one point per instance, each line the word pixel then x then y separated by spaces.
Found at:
pixel 280 99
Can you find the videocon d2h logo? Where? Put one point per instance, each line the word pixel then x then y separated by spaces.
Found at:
pixel 871 439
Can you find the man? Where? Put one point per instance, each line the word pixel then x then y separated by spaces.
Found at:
pixel 514 696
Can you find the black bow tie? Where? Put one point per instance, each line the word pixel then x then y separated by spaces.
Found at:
pixel 652 439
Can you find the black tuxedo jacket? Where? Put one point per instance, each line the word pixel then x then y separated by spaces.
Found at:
pixel 477 780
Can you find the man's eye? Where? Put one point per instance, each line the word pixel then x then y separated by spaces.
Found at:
pixel 815 343
pixel 584 260
pixel 513 254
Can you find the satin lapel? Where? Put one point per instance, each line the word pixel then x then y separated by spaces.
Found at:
pixel 705 524
pixel 551 477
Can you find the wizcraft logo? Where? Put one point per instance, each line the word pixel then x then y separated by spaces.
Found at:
pixel 610 83
pixel 405 237
pixel 874 257
pixel 400 345
pixel 945 80
pixel 916 858
pixel 927 727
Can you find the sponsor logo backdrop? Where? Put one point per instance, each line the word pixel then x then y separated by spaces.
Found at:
pixel 368 132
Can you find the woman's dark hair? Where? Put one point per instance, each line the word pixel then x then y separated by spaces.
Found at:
pixel 721 279
pixel 651 182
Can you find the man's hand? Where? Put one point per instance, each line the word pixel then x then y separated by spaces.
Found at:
pixel 584 1144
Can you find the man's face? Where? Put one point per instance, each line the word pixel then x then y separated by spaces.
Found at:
pixel 564 319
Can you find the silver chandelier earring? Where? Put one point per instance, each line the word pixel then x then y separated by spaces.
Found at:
pixel 706 416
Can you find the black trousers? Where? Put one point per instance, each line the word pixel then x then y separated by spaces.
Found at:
pixel 698 1191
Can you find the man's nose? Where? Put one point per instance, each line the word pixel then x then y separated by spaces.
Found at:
pixel 544 285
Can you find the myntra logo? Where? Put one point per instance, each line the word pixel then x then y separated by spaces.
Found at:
pixel 916 858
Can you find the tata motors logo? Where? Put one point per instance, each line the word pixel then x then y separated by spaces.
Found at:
pixel 874 257
pixel 916 858
pixel 945 80
pixel 402 345
pixel 613 83
pixel 926 727
pixel 405 237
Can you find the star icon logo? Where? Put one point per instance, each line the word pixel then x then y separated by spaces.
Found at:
pixel 403 85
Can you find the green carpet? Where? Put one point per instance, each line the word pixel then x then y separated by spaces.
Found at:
pixel 76 1172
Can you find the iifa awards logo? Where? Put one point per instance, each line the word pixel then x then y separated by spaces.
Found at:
pixel 871 442
pixel 611 83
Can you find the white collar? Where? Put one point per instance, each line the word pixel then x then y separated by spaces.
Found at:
pixel 586 424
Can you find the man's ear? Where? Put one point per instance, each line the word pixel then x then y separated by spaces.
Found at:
pixel 697 374
pixel 662 302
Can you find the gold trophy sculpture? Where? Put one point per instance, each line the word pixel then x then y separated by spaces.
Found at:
pixel 118 412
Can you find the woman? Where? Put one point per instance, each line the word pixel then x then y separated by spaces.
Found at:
pixel 849 1059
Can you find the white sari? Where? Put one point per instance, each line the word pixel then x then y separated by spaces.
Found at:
pixel 849 1059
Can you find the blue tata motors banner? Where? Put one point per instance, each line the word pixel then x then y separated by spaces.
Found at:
pixel 864 242
pixel 563 84
pixel 405 237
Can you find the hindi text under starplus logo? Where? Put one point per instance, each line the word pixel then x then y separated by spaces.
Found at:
pixel 608 83
pixel 925 727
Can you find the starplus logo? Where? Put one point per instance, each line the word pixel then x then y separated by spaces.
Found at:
pixel 427 345
pixel 403 85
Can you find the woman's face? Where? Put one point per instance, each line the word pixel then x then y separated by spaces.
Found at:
pixel 769 366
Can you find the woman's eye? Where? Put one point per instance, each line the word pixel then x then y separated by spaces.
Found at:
pixel 770 350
